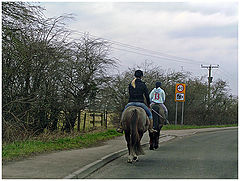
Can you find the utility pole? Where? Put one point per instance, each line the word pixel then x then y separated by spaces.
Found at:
pixel 210 78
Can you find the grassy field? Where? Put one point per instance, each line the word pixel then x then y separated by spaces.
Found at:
pixel 56 142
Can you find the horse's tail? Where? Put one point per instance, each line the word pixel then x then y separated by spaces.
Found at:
pixel 133 128
pixel 135 138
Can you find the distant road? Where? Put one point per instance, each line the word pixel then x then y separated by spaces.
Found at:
pixel 204 155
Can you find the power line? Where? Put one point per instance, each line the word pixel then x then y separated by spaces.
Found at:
pixel 154 52
pixel 154 56
pixel 163 55
pixel 226 73
pixel 146 52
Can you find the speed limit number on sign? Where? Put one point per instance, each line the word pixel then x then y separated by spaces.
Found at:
pixel 180 92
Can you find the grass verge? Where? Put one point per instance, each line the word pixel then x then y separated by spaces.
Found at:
pixel 177 127
pixel 21 149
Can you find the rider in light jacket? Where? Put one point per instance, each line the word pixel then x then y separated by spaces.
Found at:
pixel 157 96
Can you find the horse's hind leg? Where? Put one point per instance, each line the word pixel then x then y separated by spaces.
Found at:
pixel 156 140
pixel 153 136
pixel 151 141
pixel 127 137
pixel 140 150
pixel 158 136
pixel 130 157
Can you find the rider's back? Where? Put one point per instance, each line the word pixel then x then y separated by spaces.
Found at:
pixel 136 94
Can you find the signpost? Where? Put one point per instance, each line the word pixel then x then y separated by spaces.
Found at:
pixel 180 97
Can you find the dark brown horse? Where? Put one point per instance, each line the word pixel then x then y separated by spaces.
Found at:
pixel 158 121
pixel 135 123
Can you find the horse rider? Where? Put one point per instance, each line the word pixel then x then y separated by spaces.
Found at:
pixel 157 96
pixel 137 91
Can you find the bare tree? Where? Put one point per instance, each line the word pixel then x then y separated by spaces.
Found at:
pixel 84 76
pixel 33 48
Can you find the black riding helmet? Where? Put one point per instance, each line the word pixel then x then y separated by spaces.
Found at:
pixel 158 84
pixel 138 73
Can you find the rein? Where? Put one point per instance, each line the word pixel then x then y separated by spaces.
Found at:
pixel 159 115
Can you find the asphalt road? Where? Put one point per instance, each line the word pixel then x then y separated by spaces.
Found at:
pixel 204 155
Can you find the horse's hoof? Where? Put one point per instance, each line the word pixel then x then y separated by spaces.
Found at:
pixel 135 159
pixel 129 161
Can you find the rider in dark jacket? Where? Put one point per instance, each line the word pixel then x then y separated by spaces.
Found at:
pixel 137 91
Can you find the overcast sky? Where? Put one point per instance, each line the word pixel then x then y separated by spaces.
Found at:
pixel 201 33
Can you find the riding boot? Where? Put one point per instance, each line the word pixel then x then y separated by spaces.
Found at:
pixel 120 128
pixel 150 129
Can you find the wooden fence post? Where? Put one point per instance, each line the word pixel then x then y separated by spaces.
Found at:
pixel 79 120
pixel 102 119
pixel 84 123
pixel 106 119
pixel 93 115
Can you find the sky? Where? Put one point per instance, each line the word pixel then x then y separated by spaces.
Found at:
pixel 178 36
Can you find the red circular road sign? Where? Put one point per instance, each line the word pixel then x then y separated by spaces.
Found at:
pixel 180 87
